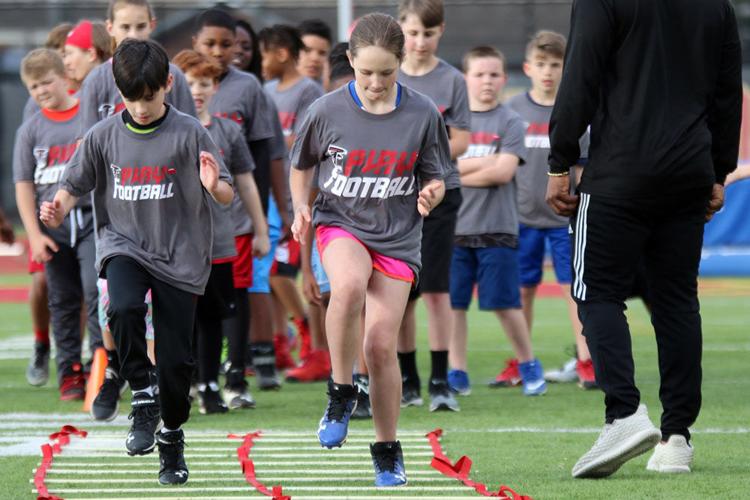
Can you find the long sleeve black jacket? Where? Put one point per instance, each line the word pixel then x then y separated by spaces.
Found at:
pixel 660 84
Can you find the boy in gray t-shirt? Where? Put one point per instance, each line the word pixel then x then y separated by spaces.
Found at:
pixel 487 230
pixel 292 93
pixel 152 171
pixel 423 25
pixel 45 144
pixel 540 227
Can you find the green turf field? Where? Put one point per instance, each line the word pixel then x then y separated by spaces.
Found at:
pixel 529 444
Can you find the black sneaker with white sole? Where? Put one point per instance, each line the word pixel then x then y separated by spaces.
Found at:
pixel 210 401
pixel 172 466
pixel 410 393
pixel 106 405
pixel 362 410
pixel 37 373
pixel 146 417
pixel 441 397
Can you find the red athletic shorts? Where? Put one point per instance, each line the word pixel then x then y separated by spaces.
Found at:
pixel 242 266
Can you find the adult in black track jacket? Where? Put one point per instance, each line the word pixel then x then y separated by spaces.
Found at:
pixel 659 82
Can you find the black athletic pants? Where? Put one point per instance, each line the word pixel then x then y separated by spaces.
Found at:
pixel 610 236
pixel 174 313
pixel 215 305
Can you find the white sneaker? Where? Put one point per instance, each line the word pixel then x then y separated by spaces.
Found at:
pixel 565 374
pixel 623 439
pixel 676 455
pixel 238 397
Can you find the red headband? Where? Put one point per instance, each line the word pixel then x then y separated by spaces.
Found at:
pixel 81 36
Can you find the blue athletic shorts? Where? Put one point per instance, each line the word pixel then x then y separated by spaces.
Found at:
pixel 531 246
pixel 262 266
pixel 494 270
pixel 317 268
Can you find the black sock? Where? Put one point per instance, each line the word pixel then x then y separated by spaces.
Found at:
pixel 113 361
pixel 408 363
pixel 263 354
pixel 439 365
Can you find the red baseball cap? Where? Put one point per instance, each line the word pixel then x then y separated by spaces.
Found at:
pixel 81 36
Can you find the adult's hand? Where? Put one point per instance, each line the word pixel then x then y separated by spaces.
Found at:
pixel 716 201
pixel 558 195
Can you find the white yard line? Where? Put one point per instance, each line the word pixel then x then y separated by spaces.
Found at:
pixel 295 472
pixel 189 453
pixel 235 479
pixel 188 489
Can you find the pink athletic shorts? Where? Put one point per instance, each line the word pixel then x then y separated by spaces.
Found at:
pixel 393 268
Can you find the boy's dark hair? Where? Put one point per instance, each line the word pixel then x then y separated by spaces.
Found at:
pixel 116 4
pixel 315 27
pixel 429 12
pixel 482 51
pixel 140 67
pixel 217 18
pixel 57 36
pixel 338 62
pixel 548 43
pixel 281 36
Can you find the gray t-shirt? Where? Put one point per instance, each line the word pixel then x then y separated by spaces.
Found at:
pixel 371 167
pixel 492 210
pixel 292 103
pixel 45 145
pixel 240 98
pixel 227 136
pixel 532 179
pixel 149 202
pixel 232 145
pixel 446 86
pixel 100 97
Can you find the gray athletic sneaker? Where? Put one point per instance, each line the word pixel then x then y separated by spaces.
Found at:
pixel 37 373
pixel 623 439
pixel 441 397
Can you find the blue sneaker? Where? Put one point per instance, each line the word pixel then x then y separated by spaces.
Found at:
pixel 388 460
pixel 532 377
pixel 333 427
pixel 458 381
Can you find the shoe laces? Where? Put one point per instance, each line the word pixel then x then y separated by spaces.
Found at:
pixel 386 460
pixel 111 386
pixel 511 368
pixel 337 406
pixel 143 416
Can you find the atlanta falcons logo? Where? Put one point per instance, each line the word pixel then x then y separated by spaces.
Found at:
pixel 337 155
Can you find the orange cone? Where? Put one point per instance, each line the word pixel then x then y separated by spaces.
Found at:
pixel 96 377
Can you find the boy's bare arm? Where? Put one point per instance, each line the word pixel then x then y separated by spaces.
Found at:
pixel 459 142
pixel 52 213
pixel 247 190
pixel 500 170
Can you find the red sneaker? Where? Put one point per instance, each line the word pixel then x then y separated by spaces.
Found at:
pixel 509 377
pixel 73 384
pixel 284 358
pixel 316 367
pixel 303 333
pixel 586 376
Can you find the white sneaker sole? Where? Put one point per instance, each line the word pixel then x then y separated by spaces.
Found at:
pixel 609 463
pixel 670 469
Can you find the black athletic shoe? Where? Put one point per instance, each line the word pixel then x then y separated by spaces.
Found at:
pixel 410 393
pixel 264 361
pixel 362 410
pixel 210 401
pixel 37 373
pixel 146 418
pixel 441 397
pixel 173 469
pixel 106 405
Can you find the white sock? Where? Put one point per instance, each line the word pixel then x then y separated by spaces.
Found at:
pixel 164 430
pixel 214 386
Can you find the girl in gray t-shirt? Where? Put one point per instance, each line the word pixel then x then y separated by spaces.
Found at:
pixel 380 151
